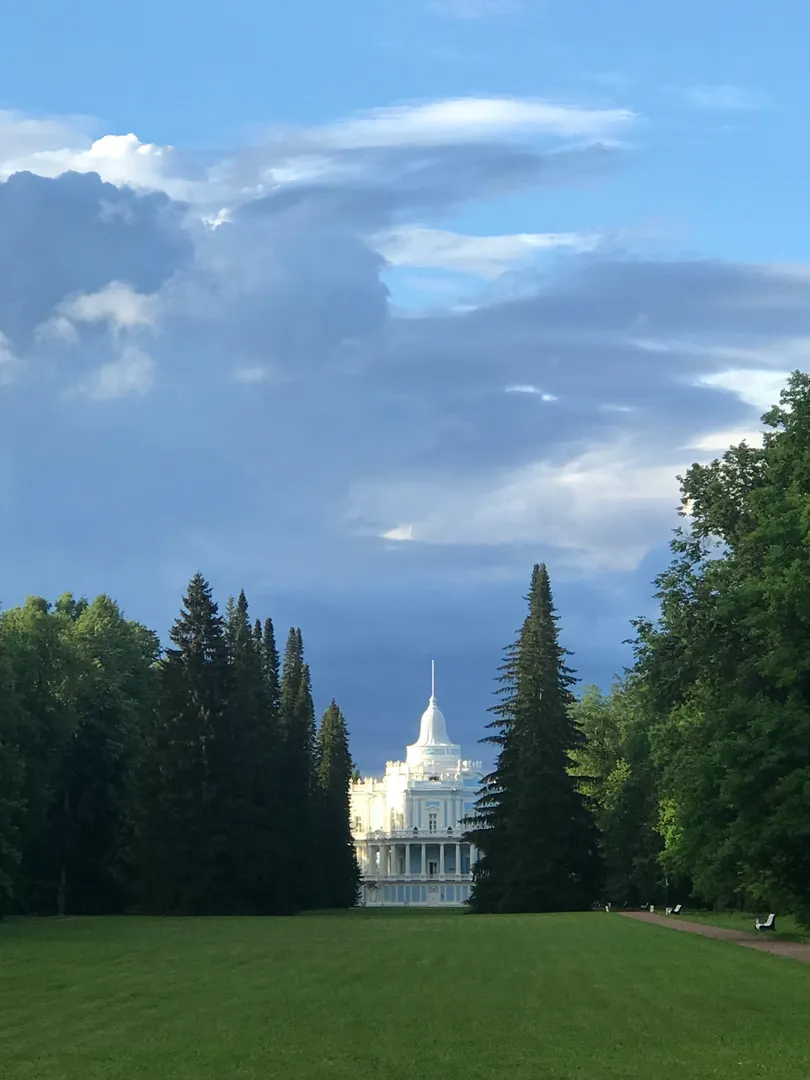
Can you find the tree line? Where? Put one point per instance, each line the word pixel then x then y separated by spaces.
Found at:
pixel 194 780
pixel 191 781
pixel 690 780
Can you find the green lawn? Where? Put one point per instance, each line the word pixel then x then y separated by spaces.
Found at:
pixel 456 997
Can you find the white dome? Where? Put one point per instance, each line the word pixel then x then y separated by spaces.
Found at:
pixel 433 727
pixel 433 747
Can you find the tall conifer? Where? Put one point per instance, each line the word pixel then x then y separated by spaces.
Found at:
pixel 297 721
pixel 340 876
pixel 536 837
pixel 252 805
pixel 188 835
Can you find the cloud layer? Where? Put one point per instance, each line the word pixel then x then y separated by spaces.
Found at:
pixel 219 356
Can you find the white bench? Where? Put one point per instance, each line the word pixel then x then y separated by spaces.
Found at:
pixel 769 924
pixel 674 910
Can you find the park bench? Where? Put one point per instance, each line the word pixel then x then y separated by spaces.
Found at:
pixel 674 910
pixel 768 924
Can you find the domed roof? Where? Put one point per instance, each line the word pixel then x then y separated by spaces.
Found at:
pixel 433 726
pixel 433 745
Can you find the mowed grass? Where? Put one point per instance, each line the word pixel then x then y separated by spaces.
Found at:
pixel 543 997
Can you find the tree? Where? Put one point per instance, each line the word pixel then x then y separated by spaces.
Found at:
pixel 186 848
pixel 536 837
pixel 340 872
pixel 616 771
pixel 253 810
pixel 45 670
pixel 115 701
pixel 298 776
pixel 12 804
pixel 726 668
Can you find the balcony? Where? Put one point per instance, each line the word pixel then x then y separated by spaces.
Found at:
pixel 401 879
pixel 402 836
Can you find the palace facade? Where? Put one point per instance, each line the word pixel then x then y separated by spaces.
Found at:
pixel 408 828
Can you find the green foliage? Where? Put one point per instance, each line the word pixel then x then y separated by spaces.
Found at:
pixel 80 687
pixel 341 875
pixel 615 769
pixel 726 670
pixel 186 852
pixel 535 833
pixel 130 779
pixel 298 775
pixel 12 799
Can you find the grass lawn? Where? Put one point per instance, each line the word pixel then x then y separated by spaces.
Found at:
pixel 787 930
pixel 396 997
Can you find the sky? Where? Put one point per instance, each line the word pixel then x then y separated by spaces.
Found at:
pixel 367 307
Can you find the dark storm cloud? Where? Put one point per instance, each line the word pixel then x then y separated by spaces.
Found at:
pixel 256 476
pixel 76 234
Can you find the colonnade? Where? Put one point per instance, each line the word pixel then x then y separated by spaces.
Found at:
pixel 382 859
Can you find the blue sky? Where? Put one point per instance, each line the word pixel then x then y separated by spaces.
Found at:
pixel 367 307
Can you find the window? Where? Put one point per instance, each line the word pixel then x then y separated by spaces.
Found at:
pixel 432 823
pixel 358 824
pixel 433 868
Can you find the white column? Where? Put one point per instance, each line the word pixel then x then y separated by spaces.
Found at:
pixel 384 860
pixel 441 859
pixel 458 858
pixel 423 849
pixel 407 858
pixel 472 857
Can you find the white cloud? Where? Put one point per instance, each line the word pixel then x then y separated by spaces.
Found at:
pixel 476 9
pixel 400 533
pixel 23 138
pixel 603 509
pixel 291 156
pixel 485 256
pixel 251 375
pixel 722 96
pixel 8 360
pixel 775 352
pixel 720 441
pixel 51 147
pixel 527 388
pixel 117 304
pixel 755 387
pixel 58 327
pixel 470 118
pixel 133 373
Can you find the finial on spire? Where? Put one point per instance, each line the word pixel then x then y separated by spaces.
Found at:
pixel 433 678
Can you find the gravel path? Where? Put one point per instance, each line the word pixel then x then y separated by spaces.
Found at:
pixel 794 950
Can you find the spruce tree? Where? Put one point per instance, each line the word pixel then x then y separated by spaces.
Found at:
pixel 340 877
pixel 297 722
pixel 12 802
pixel 254 815
pixel 534 830
pixel 187 833
pixel 272 675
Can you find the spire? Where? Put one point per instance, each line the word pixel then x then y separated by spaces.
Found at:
pixel 433 743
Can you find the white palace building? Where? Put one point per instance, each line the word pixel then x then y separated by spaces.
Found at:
pixel 408 828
